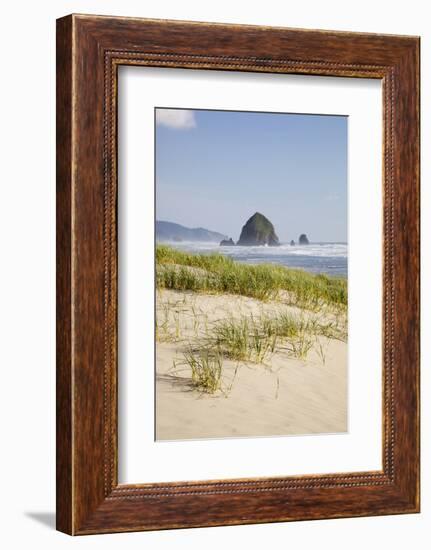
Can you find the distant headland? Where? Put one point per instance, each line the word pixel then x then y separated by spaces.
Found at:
pixel 174 232
pixel 257 231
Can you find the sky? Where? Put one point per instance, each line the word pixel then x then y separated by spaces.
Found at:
pixel 215 169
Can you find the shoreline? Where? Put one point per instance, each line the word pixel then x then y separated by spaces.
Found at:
pixel 325 258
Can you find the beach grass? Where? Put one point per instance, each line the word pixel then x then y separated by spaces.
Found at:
pixel 215 273
pixel 243 339
pixel 255 339
pixel 250 338
pixel 207 370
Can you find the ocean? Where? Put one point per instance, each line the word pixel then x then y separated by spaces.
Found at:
pixel 329 258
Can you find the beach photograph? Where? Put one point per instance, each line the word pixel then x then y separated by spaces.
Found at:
pixel 251 270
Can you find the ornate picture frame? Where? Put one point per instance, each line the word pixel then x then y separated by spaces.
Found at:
pixel 89 51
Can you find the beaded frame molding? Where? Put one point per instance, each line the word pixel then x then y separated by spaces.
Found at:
pixel 89 51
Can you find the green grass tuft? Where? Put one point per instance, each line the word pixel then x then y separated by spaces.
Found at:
pixel 216 273
pixel 206 367
pixel 243 339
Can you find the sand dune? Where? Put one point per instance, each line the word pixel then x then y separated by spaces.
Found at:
pixel 284 396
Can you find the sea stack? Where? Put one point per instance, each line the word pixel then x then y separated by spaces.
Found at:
pixel 227 242
pixel 303 239
pixel 258 231
pixel 292 243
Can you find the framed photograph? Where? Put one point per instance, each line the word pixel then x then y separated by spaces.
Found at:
pixel 237 274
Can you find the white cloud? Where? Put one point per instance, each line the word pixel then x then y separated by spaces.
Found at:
pixel 180 119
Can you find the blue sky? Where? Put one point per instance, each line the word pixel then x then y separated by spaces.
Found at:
pixel 215 169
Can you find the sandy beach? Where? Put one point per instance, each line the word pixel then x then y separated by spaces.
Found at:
pixel 281 394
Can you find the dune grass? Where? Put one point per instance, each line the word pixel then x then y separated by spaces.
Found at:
pixel 257 338
pixel 180 270
pixel 245 338
pixel 206 366
pixel 251 339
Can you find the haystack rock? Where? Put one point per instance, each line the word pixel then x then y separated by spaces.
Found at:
pixel 258 231
pixel 303 239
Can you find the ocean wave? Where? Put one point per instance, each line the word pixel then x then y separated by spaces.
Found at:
pixel 324 250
